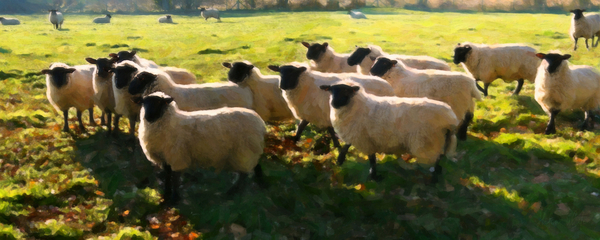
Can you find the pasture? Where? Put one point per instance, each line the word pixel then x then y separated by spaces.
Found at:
pixel 508 181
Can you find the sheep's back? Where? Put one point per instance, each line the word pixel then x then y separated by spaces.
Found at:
pixel 210 96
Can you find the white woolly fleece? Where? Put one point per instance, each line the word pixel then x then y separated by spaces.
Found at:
pixel 78 92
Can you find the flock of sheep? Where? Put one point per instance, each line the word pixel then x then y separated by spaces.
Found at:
pixel 375 101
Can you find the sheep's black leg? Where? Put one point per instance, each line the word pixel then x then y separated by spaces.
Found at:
pixel 479 87
pixel 485 89
pixel 79 120
pixel 373 170
pixel 588 122
pixel 300 129
pixel 575 45
pixel 116 122
pixel 437 171
pixel 519 86
pixel 462 129
pixel 334 138
pixel 66 117
pixel 237 186
pixel 109 115
pixel 591 116
pixel 168 182
pixel 92 121
pixel 260 176
pixel 551 128
pixel 342 157
pixel 586 44
pixel 102 120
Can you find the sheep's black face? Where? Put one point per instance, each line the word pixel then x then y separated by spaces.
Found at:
pixel 59 75
pixel 358 56
pixel 460 53
pixel 316 50
pixel 577 13
pixel 554 60
pixel 123 75
pixel 381 66
pixel 340 94
pixel 125 55
pixel 108 15
pixel 103 65
pixel 52 12
pixel 155 106
pixel 202 9
pixel 239 71
pixel 141 82
pixel 290 76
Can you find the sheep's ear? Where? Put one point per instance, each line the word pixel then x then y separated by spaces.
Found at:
pixel 307 45
pixel 274 68
pixel 133 52
pixel 572 11
pixel 250 67
pixel 540 55
pixel 226 64
pixel 325 44
pixel 394 62
pixel 566 56
pixel 355 88
pixel 46 71
pixel 302 69
pixel 458 44
pixel 168 100
pixel 583 10
pixel 137 99
pixel 325 87
pixel 70 70
pixel 91 60
pixel 110 70
pixel 113 55
pixel 468 46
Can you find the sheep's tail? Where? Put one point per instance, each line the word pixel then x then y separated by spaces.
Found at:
pixel 475 93
pixel 450 146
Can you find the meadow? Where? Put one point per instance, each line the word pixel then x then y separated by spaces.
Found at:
pixel 508 181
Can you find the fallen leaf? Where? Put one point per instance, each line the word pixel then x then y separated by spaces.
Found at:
pixel 536 206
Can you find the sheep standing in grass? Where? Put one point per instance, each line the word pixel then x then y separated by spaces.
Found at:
pixel 326 59
pixel 267 97
pixel 310 105
pixel 560 87
pixel 123 74
pixel 165 19
pixel 179 75
pixel 230 139
pixel 105 19
pixel 103 90
pixel 56 18
pixel 357 15
pixel 365 57
pixel 584 26
pixel 392 125
pixel 486 63
pixel 71 87
pixel 209 13
pixel 9 21
pixel 455 89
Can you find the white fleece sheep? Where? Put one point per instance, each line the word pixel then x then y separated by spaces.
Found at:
pixel 132 56
pixel 123 74
pixel 70 87
pixel 392 125
pixel 165 19
pixel 9 21
pixel 365 57
pixel 324 59
pixel 56 18
pixel 180 75
pixel 486 63
pixel 230 139
pixel 454 88
pixel 267 97
pixel 560 87
pixel 584 26
pixel 103 90
pixel 209 13
pixel 357 15
pixel 105 19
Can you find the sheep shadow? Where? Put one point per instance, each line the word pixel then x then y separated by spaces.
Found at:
pixel 219 51
pixel 64 29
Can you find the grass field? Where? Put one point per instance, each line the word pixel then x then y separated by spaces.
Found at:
pixel 508 181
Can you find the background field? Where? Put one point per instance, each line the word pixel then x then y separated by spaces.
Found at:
pixel 507 182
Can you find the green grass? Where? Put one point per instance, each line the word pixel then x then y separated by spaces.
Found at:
pixel 507 182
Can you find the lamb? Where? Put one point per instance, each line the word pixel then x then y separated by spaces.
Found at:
pixel 454 88
pixel 267 97
pixel 560 87
pixel 105 19
pixel 486 63
pixel 122 75
pixel 178 140
pixel 392 125
pixel 210 13
pixel 301 91
pixel 165 19
pixel 325 59
pixel 586 27
pixel 70 87
pixel 103 90
pixel 56 18
pixel 357 15
pixel 9 21
pixel 191 97
pixel 179 75
pixel 365 57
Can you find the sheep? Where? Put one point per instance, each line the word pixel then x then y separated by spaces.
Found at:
pixel 584 26
pixel 105 19
pixel 56 18
pixel 559 87
pixel 210 13
pixel 325 59
pixel 179 75
pixel 454 88
pixel 357 15
pixel 165 19
pixel 70 87
pixel 9 21
pixel 364 58
pixel 486 63
pixel 392 125
pixel 103 90
pixel 300 90
pixel 122 76
pixel 267 97
pixel 191 97
pixel 230 139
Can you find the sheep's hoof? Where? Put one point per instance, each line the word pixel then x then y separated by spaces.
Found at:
pixel 550 131
pixel 66 129
pixel 376 177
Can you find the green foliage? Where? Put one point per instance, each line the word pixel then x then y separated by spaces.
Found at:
pixel 9 232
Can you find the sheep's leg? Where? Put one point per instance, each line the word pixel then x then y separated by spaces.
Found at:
pixel 479 87
pixel 79 120
pixel 237 186
pixel 485 89
pixel 588 122
pixel 92 121
pixel 116 122
pixel 436 171
pixel 551 128
pixel 462 129
pixel 260 176
pixel 334 138
pixel 300 129
pixel 373 170
pixel 342 157
pixel 586 44
pixel 109 114
pixel 593 40
pixel 66 117
pixel 575 45
pixel 102 120
pixel 519 86
pixel 170 194
pixel 591 115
